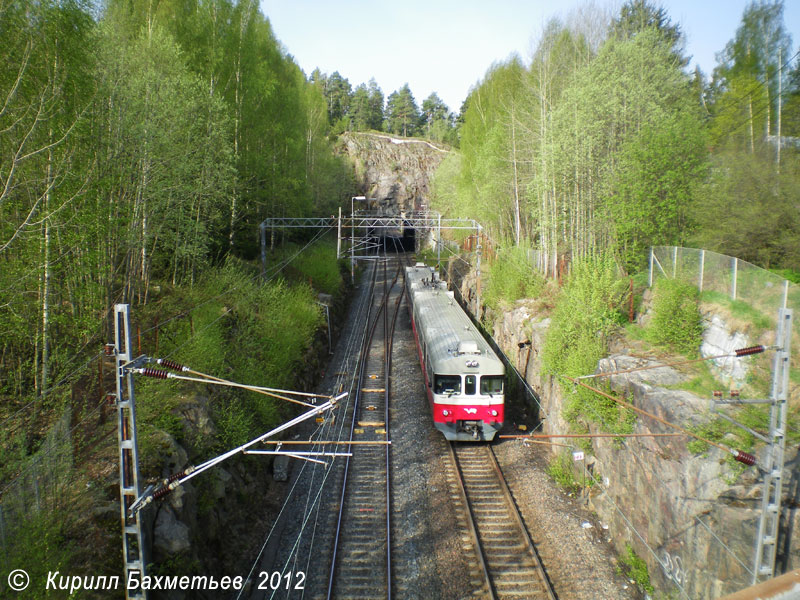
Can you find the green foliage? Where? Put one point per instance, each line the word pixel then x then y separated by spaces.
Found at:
pixel 561 470
pixel 637 16
pixel 702 383
pixel 486 187
pixel 587 311
pixel 656 176
pixel 676 321
pixel 748 209
pixel 402 113
pixel 581 152
pixel 788 274
pixel 317 265
pixel 634 567
pixel 239 329
pixel 40 546
pixel 721 431
pixel 511 277
pixel 739 310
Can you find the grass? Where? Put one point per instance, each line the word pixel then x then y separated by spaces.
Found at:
pixel 316 265
pixel 739 310
pixel 676 322
pixel 701 381
pixel 560 469
pixel 634 568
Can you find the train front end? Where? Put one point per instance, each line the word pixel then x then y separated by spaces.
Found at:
pixel 467 395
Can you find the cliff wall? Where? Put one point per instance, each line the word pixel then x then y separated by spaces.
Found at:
pixel 692 517
pixel 394 171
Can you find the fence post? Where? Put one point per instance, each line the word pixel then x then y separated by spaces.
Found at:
pixel 785 292
pixel 702 268
pixel 650 280
pixel 674 262
pixel 735 276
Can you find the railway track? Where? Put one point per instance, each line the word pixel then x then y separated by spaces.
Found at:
pixel 361 561
pixel 509 565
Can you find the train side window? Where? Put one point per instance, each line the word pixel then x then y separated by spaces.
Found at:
pixel 447 384
pixel 470 383
pixel 491 385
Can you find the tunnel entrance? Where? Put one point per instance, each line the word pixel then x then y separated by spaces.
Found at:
pixel 392 242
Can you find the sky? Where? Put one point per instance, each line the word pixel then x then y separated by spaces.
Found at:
pixel 446 46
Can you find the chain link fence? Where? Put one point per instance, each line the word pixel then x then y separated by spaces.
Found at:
pixel 733 278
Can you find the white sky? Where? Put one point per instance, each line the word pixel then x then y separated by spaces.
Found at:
pixel 446 46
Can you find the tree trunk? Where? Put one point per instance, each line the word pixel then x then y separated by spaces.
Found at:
pixel 46 276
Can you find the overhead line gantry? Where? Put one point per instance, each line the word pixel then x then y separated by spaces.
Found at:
pixel 364 226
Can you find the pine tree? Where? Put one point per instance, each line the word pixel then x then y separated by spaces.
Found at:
pixel 402 114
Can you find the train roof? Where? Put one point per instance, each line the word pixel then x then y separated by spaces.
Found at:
pixel 450 335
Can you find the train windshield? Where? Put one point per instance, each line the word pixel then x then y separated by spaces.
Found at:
pixel 447 384
pixel 470 382
pixel 491 385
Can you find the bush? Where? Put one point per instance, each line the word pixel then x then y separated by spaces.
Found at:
pixel 676 323
pixel 561 471
pixel 511 277
pixel 240 329
pixel 587 311
pixel 634 567
pixel 318 266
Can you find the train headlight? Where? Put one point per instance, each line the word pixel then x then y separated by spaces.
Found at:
pixel 471 363
pixel 445 413
pixel 494 413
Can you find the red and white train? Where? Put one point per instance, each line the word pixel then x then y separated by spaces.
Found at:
pixel 464 378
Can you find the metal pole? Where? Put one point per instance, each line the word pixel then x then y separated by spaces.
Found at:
pixel 438 240
pixel 263 228
pixel 774 460
pixel 735 275
pixel 674 262
pixel 352 242
pixel 650 281
pixel 785 292
pixel 339 235
pixel 133 552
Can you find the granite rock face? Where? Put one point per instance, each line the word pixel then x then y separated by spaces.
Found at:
pixel 692 517
pixel 394 171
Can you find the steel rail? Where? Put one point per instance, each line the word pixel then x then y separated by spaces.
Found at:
pixel 386 367
pixel 372 322
pixel 473 529
pixel 356 402
pixel 518 518
pixel 512 511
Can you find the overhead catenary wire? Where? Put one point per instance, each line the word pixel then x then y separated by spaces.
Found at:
pixel 313 499
pixel 273 392
pixel 191 472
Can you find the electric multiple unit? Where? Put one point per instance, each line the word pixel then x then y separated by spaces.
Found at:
pixel 464 378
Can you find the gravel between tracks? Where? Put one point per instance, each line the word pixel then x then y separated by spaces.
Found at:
pixel 578 559
pixel 431 560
